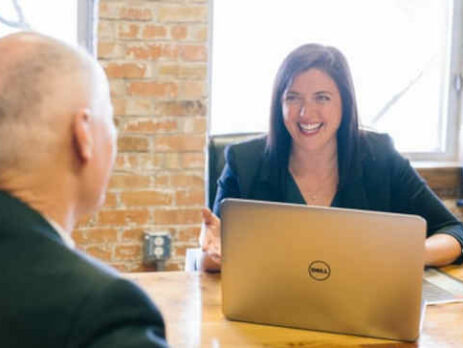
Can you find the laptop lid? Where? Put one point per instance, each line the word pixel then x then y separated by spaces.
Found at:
pixel 326 269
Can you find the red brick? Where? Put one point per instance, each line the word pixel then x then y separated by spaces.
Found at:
pixel 111 200
pixel 152 51
pixel 161 180
pixel 150 126
pixel 185 71
pixel 95 235
pixel 153 89
pixel 121 162
pixel 128 143
pixel 125 70
pixel 108 10
pixel 170 51
pixel 188 234
pixel 177 217
pixel 123 217
pixel 127 161
pixel 128 252
pixel 106 30
pixel 102 253
pixel 143 51
pixel 180 108
pixel 198 33
pixel 179 32
pixel 171 70
pixel 187 180
pixel 133 235
pixel 194 125
pixel 128 30
pixel 195 53
pixel 139 106
pixel 146 198
pixel 130 181
pixel 117 88
pixel 189 197
pixel 108 50
pixel 192 89
pixel 192 160
pixel 179 142
pixel 135 13
pixel 181 249
pixel 183 13
pixel 150 161
pixel 173 267
pixel 132 160
pixel 198 71
pixel 119 105
pixel 154 32
pixel 172 161
pixel 86 221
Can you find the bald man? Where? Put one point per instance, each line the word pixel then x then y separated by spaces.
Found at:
pixel 57 148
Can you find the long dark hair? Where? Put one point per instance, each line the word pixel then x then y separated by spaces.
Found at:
pixel 331 61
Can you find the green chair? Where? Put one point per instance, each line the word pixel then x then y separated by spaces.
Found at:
pixel 216 147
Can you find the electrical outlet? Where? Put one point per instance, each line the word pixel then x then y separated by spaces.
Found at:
pixel 156 247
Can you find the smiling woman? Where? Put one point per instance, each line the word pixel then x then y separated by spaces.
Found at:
pixel 315 154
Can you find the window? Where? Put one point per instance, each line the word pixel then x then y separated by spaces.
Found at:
pixel 404 57
pixel 72 21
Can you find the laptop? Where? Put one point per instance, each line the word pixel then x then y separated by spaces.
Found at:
pixel 326 269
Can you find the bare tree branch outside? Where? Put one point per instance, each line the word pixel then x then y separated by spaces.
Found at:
pixel 20 22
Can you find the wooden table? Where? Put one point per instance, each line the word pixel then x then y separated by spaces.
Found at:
pixel 191 305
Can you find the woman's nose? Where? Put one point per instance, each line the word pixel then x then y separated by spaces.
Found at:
pixel 307 108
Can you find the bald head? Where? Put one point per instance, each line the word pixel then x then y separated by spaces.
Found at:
pixel 42 82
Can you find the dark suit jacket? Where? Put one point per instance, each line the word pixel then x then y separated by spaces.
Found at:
pixel 382 180
pixel 52 296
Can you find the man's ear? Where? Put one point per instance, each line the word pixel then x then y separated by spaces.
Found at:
pixel 82 135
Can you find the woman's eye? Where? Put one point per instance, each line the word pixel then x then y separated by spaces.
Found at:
pixel 291 98
pixel 323 98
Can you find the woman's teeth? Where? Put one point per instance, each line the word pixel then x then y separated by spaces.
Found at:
pixel 310 127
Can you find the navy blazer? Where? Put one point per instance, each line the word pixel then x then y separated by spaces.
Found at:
pixel 383 180
pixel 52 296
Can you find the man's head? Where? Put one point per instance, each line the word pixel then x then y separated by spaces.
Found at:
pixel 55 118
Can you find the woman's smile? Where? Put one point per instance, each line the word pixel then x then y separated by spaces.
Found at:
pixel 310 128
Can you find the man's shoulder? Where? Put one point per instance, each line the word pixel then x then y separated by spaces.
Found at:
pixel 50 285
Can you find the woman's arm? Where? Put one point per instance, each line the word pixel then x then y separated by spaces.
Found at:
pixel 441 249
pixel 412 195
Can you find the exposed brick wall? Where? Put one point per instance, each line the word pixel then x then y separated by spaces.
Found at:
pixel 155 54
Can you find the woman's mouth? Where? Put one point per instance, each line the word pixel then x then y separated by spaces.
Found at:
pixel 310 128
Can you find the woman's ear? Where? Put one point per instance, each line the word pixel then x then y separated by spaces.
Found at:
pixel 81 132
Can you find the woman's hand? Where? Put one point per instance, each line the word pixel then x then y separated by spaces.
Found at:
pixel 209 241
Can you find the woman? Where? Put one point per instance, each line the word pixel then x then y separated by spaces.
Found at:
pixel 315 154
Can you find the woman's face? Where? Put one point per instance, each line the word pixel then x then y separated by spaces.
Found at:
pixel 312 111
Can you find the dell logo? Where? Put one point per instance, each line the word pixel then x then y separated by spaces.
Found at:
pixel 319 270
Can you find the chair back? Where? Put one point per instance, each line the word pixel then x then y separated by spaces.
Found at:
pixel 217 144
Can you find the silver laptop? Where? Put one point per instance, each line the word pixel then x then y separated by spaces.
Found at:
pixel 326 269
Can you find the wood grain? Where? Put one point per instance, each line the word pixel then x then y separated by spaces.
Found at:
pixel 191 305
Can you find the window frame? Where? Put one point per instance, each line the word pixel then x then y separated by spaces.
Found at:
pixel 452 111
pixel 87 18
